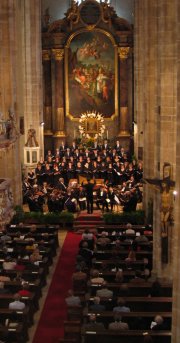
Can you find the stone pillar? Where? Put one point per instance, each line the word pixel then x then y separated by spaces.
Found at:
pixel 10 93
pixel 31 69
pixel 58 111
pixel 123 81
pixel 47 92
pixel 155 97
pixel 176 231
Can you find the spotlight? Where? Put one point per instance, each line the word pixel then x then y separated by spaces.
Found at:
pixel 42 123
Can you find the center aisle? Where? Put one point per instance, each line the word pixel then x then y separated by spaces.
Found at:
pixel 50 327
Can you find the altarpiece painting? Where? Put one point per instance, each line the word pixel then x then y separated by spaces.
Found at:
pixel 90 74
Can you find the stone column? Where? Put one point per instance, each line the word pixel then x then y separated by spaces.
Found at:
pixel 10 93
pixel 47 92
pixel 58 110
pixel 176 231
pixel 123 81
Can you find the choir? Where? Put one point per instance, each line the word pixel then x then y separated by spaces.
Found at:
pixel 50 182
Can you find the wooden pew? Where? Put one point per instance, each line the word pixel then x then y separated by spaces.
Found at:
pixel 128 336
pixel 132 318
pixel 140 303
pixel 135 265
pixel 134 289
pixel 72 329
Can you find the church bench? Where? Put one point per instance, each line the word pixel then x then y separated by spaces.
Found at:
pixel 128 336
pixel 121 227
pixel 135 265
pixel 38 236
pixel 75 313
pixel 40 228
pixel 109 276
pixel 139 303
pixel 14 333
pixel 132 318
pixel 72 329
pixel 106 254
pixel 135 289
pixel 20 318
pixel 122 235
pixel 127 245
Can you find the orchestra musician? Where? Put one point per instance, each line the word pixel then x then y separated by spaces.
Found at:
pixel 99 162
pixel 101 199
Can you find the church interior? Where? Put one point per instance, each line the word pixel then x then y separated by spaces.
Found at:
pixel 89 103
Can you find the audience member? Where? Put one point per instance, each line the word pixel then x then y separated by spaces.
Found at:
pixel 104 292
pixel 72 300
pixel 118 324
pixel 96 306
pixel 129 229
pixel 121 306
pixel 93 325
pixel 17 304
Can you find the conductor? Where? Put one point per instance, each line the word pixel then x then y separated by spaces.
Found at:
pixel 89 186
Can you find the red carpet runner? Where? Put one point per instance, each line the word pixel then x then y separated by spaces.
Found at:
pixel 50 327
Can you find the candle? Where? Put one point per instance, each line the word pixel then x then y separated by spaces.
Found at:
pixel 74 133
pixel 107 134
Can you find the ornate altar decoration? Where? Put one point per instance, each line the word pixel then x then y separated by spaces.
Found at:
pixel 91 125
pixel 87 66
pixel 6 201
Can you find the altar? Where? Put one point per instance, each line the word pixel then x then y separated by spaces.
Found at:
pixel 87 69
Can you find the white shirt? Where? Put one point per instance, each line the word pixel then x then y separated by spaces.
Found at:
pixel 17 305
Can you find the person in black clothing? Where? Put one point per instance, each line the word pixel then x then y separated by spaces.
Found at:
pixel 89 186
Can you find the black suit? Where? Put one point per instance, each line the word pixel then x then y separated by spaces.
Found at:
pixel 89 195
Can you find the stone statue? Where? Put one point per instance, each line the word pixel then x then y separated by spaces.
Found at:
pixel 166 210
pixel 11 130
pixel 31 140
pixel 166 206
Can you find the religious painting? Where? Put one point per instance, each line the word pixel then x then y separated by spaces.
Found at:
pixel 91 126
pixel 90 74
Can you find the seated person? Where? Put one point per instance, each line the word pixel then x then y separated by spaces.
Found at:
pixel 72 300
pixel 103 240
pixel 35 256
pixel 17 304
pixel 86 253
pixel 9 264
pixel 156 289
pixel 89 237
pixel 119 278
pixel 138 277
pixel 96 278
pixel 24 292
pixel 121 306
pixel 131 256
pixel 93 325
pixel 79 274
pixel 118 324
pixel 129 229
pixel 96 306
pixel 3 290
pixel 104 292
pixel 4 277
pixel 158 323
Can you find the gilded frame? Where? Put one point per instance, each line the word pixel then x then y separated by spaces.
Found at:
pixel 116 91
pixel 92 126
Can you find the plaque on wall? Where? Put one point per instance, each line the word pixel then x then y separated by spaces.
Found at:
pixel 90 13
